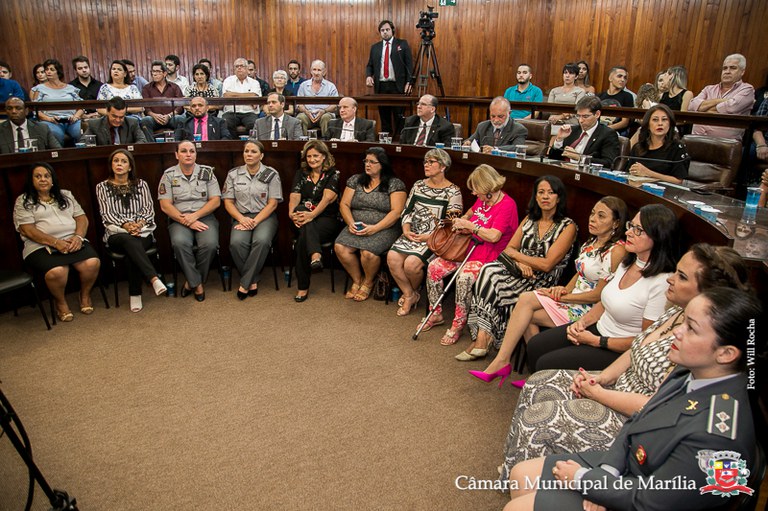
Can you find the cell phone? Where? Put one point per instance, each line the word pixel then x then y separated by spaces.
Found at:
pixel 359 226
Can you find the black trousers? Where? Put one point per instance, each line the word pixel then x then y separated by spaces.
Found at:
pixel 310 238
pixel 551 349
pixel 137 262
pixel 392 118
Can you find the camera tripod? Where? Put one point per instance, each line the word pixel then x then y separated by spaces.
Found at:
pixel 426 67
pixel 59 500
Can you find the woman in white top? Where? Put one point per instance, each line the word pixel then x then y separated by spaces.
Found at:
pixel 118 85
pixel 60 122
pixel 629 304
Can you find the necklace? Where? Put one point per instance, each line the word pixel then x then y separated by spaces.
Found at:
pixel 49 200
pixel 675 322
pixel 641 264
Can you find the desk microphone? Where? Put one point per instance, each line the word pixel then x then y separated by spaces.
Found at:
pixel 409 128
pixel 638 158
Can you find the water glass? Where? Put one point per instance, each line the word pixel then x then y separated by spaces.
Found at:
pixel 198 137
pixel 596 168
pixel 90 140
pixel 520 151
pixel 312 134
pixel 169 137
pixel 750 207
pixel 383 137
pixel 585 162
pixel 456 143
pixel 31 144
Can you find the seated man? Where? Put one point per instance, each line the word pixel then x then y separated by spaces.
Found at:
pixel 730 96
pixel 85 83
pixel 115 127
pixel 18 129
pixel 350 128
pixel 240 85
pixel 524 91
pixel 133 77
pixel 278 125
pixel 317 116
pixel 617 81
pixel 209 127
pixel 161 117
pixel 589 137
pixel 426 127
pixel 172 63
pixel 10 89
pixel 501 132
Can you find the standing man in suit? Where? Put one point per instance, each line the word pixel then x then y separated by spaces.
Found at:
pixel 426 127
pixel 590 137
pixel 18 129
pixel 350 128
pixel 115 127
pixel 278 125
pixel 209 127
pixel 389 72
pixel 501 132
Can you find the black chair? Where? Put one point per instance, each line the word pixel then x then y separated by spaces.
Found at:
pixel 116 257
pixel 274 257
pixel 41 284
pixel 13 280
pixel 331 259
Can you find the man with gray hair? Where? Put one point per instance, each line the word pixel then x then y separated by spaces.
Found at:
pixel 161 117
pixel 313 116
pixel 501 131
pixel 348 127
pixel 731 96
pixel 239 86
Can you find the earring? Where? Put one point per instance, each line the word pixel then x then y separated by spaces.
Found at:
pixel 488 196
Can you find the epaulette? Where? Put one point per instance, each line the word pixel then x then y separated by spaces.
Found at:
pixel 267 174
pixel 723 416
pixel 206 173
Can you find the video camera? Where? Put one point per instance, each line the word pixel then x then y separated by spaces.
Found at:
pixel 427 23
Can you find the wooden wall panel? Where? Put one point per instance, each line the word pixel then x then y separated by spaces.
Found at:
pixel 479 42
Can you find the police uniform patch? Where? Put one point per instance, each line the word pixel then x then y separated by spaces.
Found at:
pixel 174 182
pixel 640 455
pixel 206 173
pixel 691 405
pixel 162 188
pixel 723 416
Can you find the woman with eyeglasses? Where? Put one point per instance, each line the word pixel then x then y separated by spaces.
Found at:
pixel 629 304
pixel 431 199
pixel 370 206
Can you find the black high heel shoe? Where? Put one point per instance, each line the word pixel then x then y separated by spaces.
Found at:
pixel 242 296
pixel 253 292
pixel 299 298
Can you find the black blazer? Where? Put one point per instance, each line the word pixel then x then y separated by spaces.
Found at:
pixel 441 131
pixel 402 62
pixel 511 135
pixel 217 129
pixel 130 131
pixel 364 130
pixel 603 145
pixel 39 131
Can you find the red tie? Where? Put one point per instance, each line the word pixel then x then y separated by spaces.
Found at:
pixel 578 140
pixel 386 61
pixel 422 136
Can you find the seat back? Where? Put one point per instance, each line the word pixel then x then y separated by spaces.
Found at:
pixel 539 133
pixel 621 164
pixel 713 160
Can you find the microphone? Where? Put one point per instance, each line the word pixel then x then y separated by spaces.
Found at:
pixel 410 128
pixel 638 158
pixel 543 153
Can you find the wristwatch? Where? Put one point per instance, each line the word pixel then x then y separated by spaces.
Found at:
pixel 603 342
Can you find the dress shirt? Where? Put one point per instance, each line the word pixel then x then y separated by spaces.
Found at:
pixel 203 129
pixel 181 81
pixel 326 89
pixel 740 99
pixel 233 84
pixel 171 90
pixel 428 125
pixel 582 143
pixel 391 71
pixel 281 121
pixel 348 131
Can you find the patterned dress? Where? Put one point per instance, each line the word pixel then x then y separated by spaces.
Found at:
pixel 424 206
pixel 550 419
pixel 497 290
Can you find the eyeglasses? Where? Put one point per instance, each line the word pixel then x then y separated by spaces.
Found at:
pixel 584 116
pixel 370 162
pixel 430 162
pixel 424 104
pixel 636 229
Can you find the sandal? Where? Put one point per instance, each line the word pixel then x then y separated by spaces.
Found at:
pixel 401 301
pixel 451 337
pixel 65 317
pixel 352 291
pixel 407 306
pixel 363 293
pixel 430 324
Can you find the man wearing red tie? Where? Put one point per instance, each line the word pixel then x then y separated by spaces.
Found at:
pixel 389 72
pixel 202 127
pixel 590 137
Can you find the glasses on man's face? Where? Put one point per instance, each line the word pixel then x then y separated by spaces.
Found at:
pixel 636 229
pixel 430 162
pixel 584 116
pixel 370 162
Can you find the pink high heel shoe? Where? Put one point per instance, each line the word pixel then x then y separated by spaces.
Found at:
pixel 518 383
pixel 504 372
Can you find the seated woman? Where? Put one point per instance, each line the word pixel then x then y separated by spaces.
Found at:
pixel 702 408
pixel 571 411
pixel 492 219
pixel 60 122
pixel 430 200
pixel 118 85
pixel 53 225
pixel 658 139
pixel 128 215
pixel 628 304
pixel 189 194
pixel 549 307
pixel 38 77
pixel 582 79
pixel 568 93
pixel 201 85
pixel 370 206
pixel 251 195
pixel 534 258
pixel 675 95
pixel 279 81
pixel 313 208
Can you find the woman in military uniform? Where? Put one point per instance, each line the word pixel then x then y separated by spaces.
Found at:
pixel 251 194
pixel 189 194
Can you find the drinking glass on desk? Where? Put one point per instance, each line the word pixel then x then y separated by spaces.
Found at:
pixel 456 143
pixel 585 162
pixel 750 206
pixel 312 134
pixel 520 151
pixel 596 168
pixel 169 136
pixel 90 140
pixel 383 136
pixel 31 144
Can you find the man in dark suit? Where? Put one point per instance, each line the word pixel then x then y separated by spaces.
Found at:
pixel 207 126
pixel 349 127
pixel 426 127
pixel 590 137
pixel 115 127
pixel 389 72
pixel 18 129
pixel 501 132
pixel 278 125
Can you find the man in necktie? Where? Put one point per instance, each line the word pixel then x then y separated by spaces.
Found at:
pixel 202 127
pixel 426 127
pixel 348 127
pixel 389 72
pixel 15 132
pixel 277 125
pixel 590 137
pixel 501 131
pixel 115 127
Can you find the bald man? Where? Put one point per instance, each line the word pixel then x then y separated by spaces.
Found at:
pixel 18 129
pixel 348 127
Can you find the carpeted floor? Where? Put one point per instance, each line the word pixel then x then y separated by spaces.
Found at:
pixel 256 405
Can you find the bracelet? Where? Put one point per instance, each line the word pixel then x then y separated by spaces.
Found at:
pixel 477 228
pixel 761 145
pixel 603 342
pixel 80 238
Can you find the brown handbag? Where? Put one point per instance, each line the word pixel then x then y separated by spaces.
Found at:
pixel 449 244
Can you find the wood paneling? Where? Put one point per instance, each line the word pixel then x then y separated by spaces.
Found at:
pixel 479 42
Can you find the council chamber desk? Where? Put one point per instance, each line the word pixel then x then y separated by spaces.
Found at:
pixel 80 169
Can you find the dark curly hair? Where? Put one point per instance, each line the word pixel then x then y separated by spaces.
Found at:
pixel 32 198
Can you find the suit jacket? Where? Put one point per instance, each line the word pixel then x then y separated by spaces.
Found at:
pixel 402 62
pixel 217 129
pixel 39 131
pixel 364 130
pixel 511 135
pixel 603 145
pixel 292 129
pixel 441 131
pixel 130 131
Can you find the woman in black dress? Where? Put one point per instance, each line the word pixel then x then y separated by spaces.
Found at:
pixel 658 140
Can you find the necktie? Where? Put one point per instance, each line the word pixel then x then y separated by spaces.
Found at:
pixel 422 135
pixel 20 137
pixel 198 122
pixel 116 135
pixel 386 61
pixel 496 137
pixel 276 135
pixel 576 144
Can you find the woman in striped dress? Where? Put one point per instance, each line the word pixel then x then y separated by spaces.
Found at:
pixel 128 215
